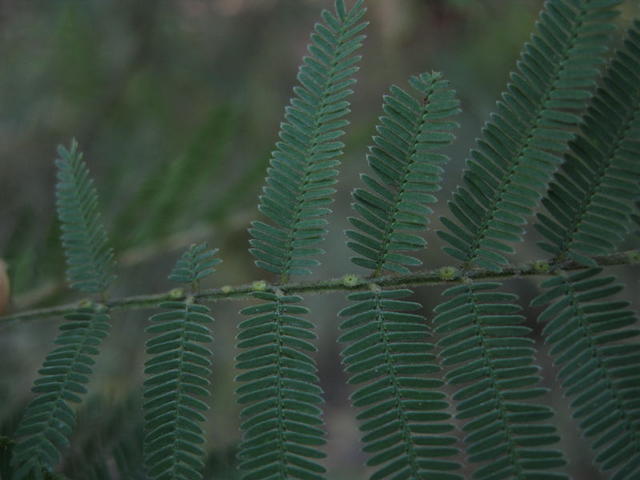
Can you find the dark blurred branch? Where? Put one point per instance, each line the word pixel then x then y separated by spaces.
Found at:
pixel 143 23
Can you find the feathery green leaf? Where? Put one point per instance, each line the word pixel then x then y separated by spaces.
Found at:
pixel 89 258
pixel 283 422
pixel 492 366
pixel 523 143
pixel 178 372
pixel 404 414
pixel 590 335
pixel 590 201
pixel 49 419
pixel 300 179
pixel 408 170
pixel 280 393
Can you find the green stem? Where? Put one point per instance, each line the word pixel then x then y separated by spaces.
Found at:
pixel 421 278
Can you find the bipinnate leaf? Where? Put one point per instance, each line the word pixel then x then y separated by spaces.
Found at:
pixel 523 143
pixel 407 162
pixel 593 339
pixel 90 261
pixel 489 358
pixel 280 395
pixel 405 423
pixel 590 202
pixel 49 420
pixel 177 388
pixel 299 185
pixel 405 426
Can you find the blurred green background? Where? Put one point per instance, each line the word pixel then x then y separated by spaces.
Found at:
pixel 176 105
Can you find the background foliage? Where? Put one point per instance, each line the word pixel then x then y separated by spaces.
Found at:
pixel 154 90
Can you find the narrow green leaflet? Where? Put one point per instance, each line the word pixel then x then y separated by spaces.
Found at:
pixel 594 340
pixel 589 206
pixel 280 392
pixel 408 171
pixel 404 419
pixel 89 258
pixel 521 147
pixel 523 143
pixel 50 418
pixel 178 371
pixel 303 168
pixel 491 364
pixel 590 201
pixel 405 426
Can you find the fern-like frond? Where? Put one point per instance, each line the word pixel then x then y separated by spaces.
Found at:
pixel 49 419
pixel 492 366
pixel 282 426
pixel 178 377
pixel 303 168
pixel 590 201
pixel 522 144
pixel 404 415
pixel 89 259
pixel 408 170
pixel 589 205
pixel 589 334
pixel 282 421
